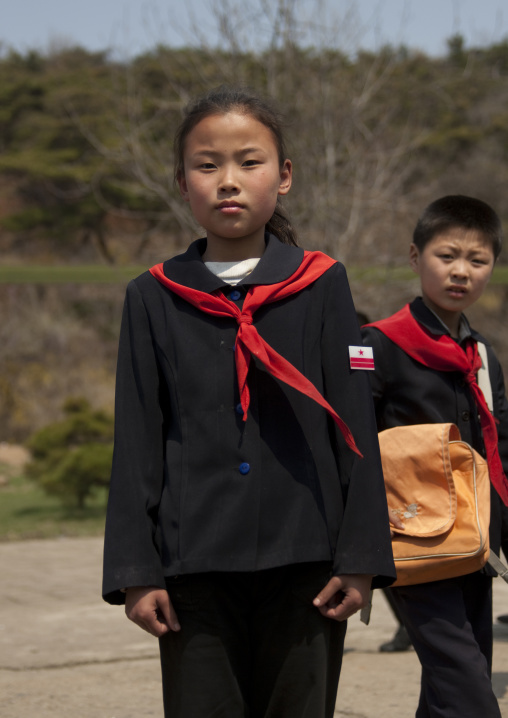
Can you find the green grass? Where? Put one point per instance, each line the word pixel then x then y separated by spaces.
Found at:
pixel 102 274
pixel 26 512
pixel 60 274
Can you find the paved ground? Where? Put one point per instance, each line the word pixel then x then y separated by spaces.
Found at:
pixel 64 653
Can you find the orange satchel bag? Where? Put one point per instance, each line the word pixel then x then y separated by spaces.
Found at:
pixel 439 487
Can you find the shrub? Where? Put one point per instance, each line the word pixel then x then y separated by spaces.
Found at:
pixel 71 458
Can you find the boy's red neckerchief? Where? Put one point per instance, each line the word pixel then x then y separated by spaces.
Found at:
pixel 442 353
pixel 248 341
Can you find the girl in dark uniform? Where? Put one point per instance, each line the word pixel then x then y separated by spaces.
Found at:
pixel 247 515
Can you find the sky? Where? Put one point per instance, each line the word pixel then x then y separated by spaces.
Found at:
pixel 129 27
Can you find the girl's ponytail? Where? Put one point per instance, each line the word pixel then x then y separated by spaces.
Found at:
pixel 280 225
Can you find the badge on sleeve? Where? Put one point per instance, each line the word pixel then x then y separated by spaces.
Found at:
pixel 361 358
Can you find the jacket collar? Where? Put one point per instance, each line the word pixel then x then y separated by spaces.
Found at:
pixel 279 261
pixel 430 321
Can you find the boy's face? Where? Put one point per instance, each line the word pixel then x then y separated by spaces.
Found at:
pixel 454 269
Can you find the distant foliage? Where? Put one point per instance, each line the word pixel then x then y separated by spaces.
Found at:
pixel 72 458
pixel 86 178
pixel 86 141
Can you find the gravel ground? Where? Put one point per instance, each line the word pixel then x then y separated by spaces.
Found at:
pixel 65 653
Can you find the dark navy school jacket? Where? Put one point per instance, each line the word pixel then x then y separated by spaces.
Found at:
pixel 196 489
pixel 407 392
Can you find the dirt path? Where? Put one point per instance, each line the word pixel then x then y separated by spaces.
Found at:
pixel 64 653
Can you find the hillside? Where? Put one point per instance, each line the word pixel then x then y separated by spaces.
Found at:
pixel 86 179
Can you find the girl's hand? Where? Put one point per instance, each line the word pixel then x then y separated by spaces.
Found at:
pixel 395 521
pixel 151 609
pixel 343 596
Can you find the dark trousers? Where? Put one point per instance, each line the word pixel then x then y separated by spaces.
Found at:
pixel 252 645
pixel 450 625
pixel 504 530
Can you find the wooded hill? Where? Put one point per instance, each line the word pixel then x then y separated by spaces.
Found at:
pixel 86 144
pixel 86 176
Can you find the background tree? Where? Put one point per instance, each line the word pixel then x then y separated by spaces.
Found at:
pixel 374 135
pixel 72 458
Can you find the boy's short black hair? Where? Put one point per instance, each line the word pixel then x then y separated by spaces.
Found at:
pixel 459 211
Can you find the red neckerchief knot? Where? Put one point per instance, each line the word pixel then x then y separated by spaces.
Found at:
pixel 475 364
pixel 245 319
pixel 248 340
pixel 442 353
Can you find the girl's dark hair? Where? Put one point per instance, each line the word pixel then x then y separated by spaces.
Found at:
pixel 220 101
pixel 459 212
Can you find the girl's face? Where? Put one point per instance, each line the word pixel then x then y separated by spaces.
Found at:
pixel 231 179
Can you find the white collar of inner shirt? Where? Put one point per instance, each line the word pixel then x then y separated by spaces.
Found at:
pixel 233 272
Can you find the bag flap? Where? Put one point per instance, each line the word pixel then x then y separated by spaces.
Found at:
pixel 418 477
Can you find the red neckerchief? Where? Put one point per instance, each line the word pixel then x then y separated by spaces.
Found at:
pixel 443 354
pixel 248 341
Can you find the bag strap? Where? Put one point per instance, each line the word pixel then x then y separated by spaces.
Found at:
pixel 367 609
pixel 498 566
pixel 484 376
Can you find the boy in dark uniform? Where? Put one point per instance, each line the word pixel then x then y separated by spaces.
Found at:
pixel 455 245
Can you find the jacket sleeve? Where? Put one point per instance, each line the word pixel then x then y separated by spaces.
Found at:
pixel 364 541
pixel 499 512
pixel 374 338
pixel 500 407
pixel 131 556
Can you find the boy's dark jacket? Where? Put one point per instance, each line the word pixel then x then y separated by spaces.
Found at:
pixel 194 488
pixel 407 392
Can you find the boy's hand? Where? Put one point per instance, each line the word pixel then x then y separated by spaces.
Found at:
pixel 343 596
pixel 151 609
